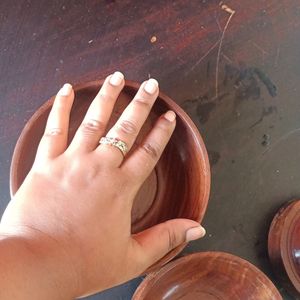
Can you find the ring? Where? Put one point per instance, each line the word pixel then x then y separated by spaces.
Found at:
pixel 116 143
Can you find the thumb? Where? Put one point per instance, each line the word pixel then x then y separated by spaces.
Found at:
pixel 155 242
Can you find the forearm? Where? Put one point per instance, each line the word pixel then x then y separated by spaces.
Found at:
pixel 31 269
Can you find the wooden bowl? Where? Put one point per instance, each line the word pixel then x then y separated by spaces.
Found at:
pixel 207 276
pixel 178 187
pixel 284 246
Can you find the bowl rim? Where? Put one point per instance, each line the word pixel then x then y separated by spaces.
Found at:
pixel 204 164
pixel 279 237
pixel 147 284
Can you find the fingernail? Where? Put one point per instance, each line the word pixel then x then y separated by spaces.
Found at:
pixel 151 86
pixel 116 78
pixel 65 90
pixel 195 233
pixel 170 116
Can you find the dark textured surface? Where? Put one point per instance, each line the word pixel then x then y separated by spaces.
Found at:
pixel 251 129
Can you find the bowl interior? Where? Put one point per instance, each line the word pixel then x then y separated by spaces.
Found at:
pixel 179 185
pixel 207 276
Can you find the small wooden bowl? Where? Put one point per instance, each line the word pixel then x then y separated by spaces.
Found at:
pixel 284 246
pixel 178 187
pixel 207 276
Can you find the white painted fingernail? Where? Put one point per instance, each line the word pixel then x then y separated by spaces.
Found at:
pixel 116 78
pixel 170 116
pixel 65 90
pixel 151 86
pixel 195 233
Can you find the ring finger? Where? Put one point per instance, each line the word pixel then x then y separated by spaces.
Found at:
pixel 129 124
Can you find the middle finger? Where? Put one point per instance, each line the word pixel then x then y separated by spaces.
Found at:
pixel 130 122
pixel 95 121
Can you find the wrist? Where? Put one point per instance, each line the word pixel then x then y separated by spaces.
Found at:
pixel 37 264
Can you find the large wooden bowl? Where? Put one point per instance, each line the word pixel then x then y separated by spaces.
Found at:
pixel 178 187
pixel 284 246
pixel 207 276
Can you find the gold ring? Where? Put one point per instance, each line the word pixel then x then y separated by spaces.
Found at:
pixel 114 142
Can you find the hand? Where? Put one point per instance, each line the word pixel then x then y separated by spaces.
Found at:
pixel 73 211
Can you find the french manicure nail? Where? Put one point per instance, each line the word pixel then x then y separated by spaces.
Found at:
pixel 65 90
pixel 195 233
pixel 170 116
pixel 116 78
pixel 151 86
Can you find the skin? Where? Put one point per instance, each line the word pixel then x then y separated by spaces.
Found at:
pixel 58 238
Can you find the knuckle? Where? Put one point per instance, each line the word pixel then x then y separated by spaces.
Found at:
pixel 142 103
pixel 49 132
pixel 164 128
pixel 128 127
pixel 92 173
pixel 151 150
pixel 172 238
pixel 105 97
pixel 92 127
pixel 79 166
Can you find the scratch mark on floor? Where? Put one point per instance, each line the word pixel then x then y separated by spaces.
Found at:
pixel 265 112
pixel 281 139
pixel 231 12
pixel 277 56
pixel 263 51
pixel 181 60
pixel 204 56
pixel 218 23
pixel 227 58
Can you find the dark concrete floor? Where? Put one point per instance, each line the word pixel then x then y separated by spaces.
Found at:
pixel 252 129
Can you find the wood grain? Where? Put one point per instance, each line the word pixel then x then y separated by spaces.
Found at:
pixel 284 246
pixel 207 276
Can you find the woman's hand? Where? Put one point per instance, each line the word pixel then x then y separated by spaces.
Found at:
pixel 73 211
